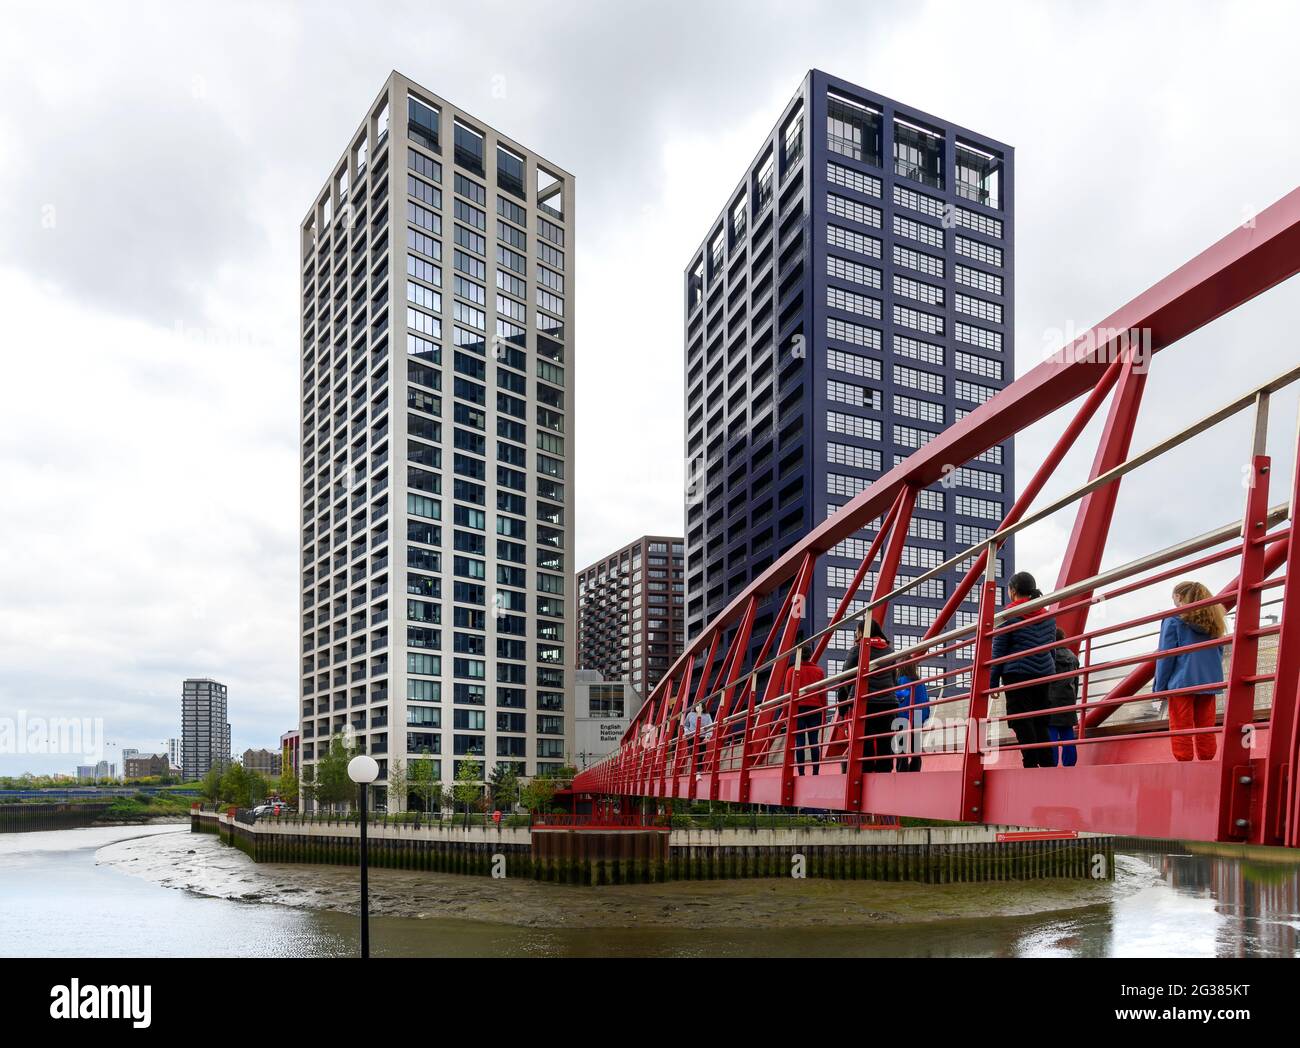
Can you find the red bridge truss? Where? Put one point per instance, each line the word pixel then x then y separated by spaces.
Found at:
pixel 1126 780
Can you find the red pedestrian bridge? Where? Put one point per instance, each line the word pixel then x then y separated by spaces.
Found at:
pixel 1126 780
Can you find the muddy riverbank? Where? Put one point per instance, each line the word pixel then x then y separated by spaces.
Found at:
pixel 201 864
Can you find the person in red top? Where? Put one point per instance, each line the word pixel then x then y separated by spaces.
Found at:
pixel 809 706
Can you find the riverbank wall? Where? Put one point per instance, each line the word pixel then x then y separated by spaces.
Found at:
pixel 931 855
pixel 29 818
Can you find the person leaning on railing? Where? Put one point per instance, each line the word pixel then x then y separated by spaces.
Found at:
pixel 1040 633
pixel 1191 669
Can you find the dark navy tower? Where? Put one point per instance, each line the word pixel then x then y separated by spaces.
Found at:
pixel 854 297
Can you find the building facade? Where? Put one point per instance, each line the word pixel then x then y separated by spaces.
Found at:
pixel 631 608
pixel 291 750
pixel 175 752
pixel 602 712
pixel 143 767
pixel 437 446
pixel 205 731
pixel 853 298
pixel 264 762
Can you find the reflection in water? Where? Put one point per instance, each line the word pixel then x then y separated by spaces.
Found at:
pixel 1167 900
pixel 1257 904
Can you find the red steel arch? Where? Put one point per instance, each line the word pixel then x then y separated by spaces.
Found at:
pixel 1126 780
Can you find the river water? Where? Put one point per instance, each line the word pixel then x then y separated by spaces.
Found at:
pixel 161 891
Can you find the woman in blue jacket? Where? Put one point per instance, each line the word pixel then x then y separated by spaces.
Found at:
pixel 1190 669
pixel 1041 633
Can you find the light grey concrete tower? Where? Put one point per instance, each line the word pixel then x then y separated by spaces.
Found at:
pixel 437 446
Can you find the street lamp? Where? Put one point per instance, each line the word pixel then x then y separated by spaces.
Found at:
pixel 363 770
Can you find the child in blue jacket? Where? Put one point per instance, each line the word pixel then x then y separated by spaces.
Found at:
pixel 1191 669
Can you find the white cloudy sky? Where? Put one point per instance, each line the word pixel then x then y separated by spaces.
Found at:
pixel 155 160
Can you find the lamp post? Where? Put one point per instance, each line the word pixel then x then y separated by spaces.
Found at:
pixel 363 770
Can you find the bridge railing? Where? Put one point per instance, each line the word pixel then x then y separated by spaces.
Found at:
pixel 843 725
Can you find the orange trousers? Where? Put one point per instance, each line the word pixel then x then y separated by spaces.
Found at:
pixel 1192 711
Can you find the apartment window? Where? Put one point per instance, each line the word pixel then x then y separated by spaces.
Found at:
pixel 838 236
pixel 739 218
pixel 717 247
pixel 990 283
pixel 912 436
pixel 978 365
pixel 922 292
pixel 510 172
pixel 550 231
pixel 977 336
pixel 918 260
pixel 915 349
pixel 919 231
pixel 853 272
pixel 853 425
pixel 973 392
pixel 849 302
pixel 853 364
pixel 851 455
pixel 967 506
pixel 979 479
pixel 990 227
pixel 977 307
pixel 922 410
pixel 854 334
pixel 927 323
pixel 422 123
pixel 853 394
pixel 913 378
pixel 792 142
pixel 469 148
pixel 979 175
pixel 918 154
pixel 852 210
pixel 763 185
pixel 852 129
pixel 980 252
pixel 839 484
pixel 922 202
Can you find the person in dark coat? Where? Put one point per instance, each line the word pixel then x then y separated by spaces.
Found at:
pixel 881 683
pixel 1064 692
pixel 1019 676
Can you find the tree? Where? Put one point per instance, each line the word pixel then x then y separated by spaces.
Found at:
pixel 287 785
pixel 331 785
pixel 210 787
pixel 469 783
pixel 503 784
pixel 539 791
pixel 422 781
pixel 243 788
pixel 398 786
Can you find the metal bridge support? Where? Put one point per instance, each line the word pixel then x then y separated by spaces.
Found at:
pixel 1237 785
pixel 1092 524
pixel 1279 821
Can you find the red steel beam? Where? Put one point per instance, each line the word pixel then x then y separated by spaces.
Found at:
pixel 1044 472
pixel 1097 510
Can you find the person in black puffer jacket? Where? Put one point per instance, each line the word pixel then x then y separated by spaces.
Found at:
pixel 883 681
pixel 1027 697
